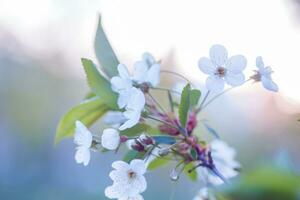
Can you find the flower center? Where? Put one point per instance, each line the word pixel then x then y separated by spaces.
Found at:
pixel 221 72
pixel 131 174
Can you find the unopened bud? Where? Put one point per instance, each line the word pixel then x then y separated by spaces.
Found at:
pixel 137 146
pixel 146 140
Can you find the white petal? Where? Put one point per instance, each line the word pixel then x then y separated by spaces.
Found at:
pixel 206 66
pixel 139 185
pixel 82 155
pixel 83 136
pixel 137 100
pixel 120 165
pixel 140 71
pixel 123 71
pixel 137 197
pixel 234 79
pixel 110 139
pixel 269 84
pixel 134 118
pixel 113 118
pixel 138 166
pixel 118 176
pixel 116 191
pixel 123 99
pixel 149 59
pixel 259 62
pixel 236 64
pixel 215 84
pixel 218 55
pixel 153 75
pixel 118 84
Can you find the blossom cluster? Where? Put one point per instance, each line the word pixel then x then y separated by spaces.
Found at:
pixel 171 137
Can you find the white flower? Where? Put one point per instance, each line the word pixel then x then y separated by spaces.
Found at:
pixel 128 180
pixel 122 84
pixel 134 108
pixel 204 194
pixel 114 118
pixel 110 139
pixel 264 75
pixel 147 70
pixel 83 138
pixel 224 160
pixel 222 69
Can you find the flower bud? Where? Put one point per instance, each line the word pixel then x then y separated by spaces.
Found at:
pixel 137 146
pixel 146 140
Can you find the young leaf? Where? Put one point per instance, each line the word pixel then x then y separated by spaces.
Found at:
pixel 184 105
pixel 104 52
pixel 99 85
pixel 157 162
pixel 87 112
pixel 137 129
pixel 164 139
pixel 193 174
pixel 132 154
pixel 194 97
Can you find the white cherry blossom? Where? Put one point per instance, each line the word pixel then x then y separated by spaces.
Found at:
pixel 83 139
pixel 114 118
pixel 122 84
pixel 147 70
pixel 222 69
pixel 264 75
pixel 134 108
pixel 224 160
pixel 128 180
pixel 110 139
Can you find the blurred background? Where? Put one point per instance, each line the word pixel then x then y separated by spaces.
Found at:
pixel 42 41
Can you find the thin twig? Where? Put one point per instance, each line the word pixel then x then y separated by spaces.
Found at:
pixel 176 74
pixel 164 122
pixel 166 89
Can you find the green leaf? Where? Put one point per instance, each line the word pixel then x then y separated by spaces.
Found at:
pixel 157 162
pixel 266 182
pixel 87 112
pixel 132 154
pixel 194 97
pixel 104 52
pixel 184 105
pixel 99 85
pixel 193 174
pixel 137 129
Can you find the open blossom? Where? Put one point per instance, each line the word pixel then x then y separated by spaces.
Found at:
pixel 122 84
pixel 222 69
pixel 83 139
pixel 128 180
pixel 110 139
pixel 264 75
pixel 133 109
pixel 224 161
pixel 147 70
pixel 114 118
